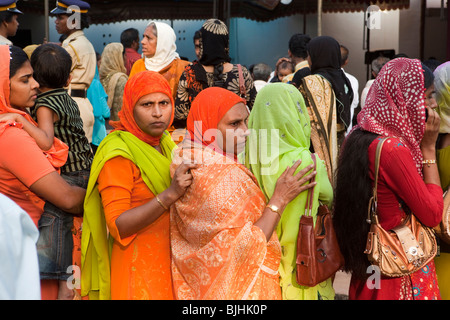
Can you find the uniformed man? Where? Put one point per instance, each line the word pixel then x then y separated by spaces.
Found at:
pixel 71 19
pixel 8 20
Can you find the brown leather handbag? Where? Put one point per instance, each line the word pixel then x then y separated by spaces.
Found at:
pixel 318 253
pixel 443 229
pixel 402 250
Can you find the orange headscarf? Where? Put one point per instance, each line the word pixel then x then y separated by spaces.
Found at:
pixel 57 155
pixel 207 109
pixel 137 86
pixel 5 57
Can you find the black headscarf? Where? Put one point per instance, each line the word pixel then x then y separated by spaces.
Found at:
pixel 214 50
pixel 325 54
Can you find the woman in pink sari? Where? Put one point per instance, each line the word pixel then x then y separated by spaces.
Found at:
pixel 223 241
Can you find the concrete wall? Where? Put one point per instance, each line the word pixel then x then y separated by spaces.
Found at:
pixel 348 30
pixel 435 35
pixel 409 41
pixel 254 42
pixel 35 23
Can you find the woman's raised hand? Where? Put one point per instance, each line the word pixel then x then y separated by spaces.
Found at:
pixel 290 184
pixel 182 179
pixel 431 130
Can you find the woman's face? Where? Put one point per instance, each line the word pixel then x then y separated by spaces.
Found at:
pixel 149 42
pixel 234 130
pixel 61 24
pixel 23 90
pixel 152 113
pixel 12 26
pixel 430 97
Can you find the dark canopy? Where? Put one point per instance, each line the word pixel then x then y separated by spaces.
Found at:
pixel 107 11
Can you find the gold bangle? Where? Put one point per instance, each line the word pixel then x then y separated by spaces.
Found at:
pixel 160 202
pixel 428 162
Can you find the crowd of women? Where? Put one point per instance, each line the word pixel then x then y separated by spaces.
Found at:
pixel 215 215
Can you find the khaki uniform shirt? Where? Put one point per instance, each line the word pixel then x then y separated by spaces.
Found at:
pixel 4 40
pixel 84 62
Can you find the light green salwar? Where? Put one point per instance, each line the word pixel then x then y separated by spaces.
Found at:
pixel 280 135
pixel 95 243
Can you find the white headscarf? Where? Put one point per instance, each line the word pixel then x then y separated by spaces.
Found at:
pixel 442 87
pixel 165 48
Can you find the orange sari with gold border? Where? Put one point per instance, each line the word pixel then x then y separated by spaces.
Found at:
pixel 217 252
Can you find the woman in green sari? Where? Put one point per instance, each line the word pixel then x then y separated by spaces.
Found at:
pixel 280 136
pixel 442 88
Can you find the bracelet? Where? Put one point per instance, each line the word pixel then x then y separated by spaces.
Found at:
pixel 160 202
pixel 428 162
pixel 274 209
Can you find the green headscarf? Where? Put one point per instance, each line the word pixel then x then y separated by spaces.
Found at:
pixel 442 86
pixel 95 242
pixel 280 135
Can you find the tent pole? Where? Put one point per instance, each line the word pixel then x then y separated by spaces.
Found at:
pixel 319 18
pixel 46 31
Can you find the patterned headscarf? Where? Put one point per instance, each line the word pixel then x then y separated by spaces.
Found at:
pixel 214 43
pixel 208 108
pixel 281 136
pixel 442 86
pixel 137 86
pixel 395 105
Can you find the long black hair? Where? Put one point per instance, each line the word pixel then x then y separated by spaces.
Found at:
pixel 352 194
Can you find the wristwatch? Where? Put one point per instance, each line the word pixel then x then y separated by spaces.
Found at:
pixel 274 208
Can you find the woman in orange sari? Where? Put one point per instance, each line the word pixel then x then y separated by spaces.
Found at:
pixel 129 192
pixel 222 231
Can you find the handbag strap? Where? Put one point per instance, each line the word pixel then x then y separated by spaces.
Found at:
pixel 241 82
pixel 372 211
pixel 310 195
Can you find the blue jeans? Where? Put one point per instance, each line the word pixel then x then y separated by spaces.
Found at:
pixel 55 243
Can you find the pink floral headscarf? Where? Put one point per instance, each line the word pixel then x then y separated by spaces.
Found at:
pixel 395 105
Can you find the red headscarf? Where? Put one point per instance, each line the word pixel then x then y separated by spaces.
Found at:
pixel 57 155
pixel 395 105
pixel 137 86
pixel 207 109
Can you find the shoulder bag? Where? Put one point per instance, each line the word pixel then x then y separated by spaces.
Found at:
pixel 402 250
pixel 318 253
pixel 443 229
pixel 242 88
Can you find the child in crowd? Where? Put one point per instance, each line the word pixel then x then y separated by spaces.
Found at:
pixel 283 68
pixel 57 115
